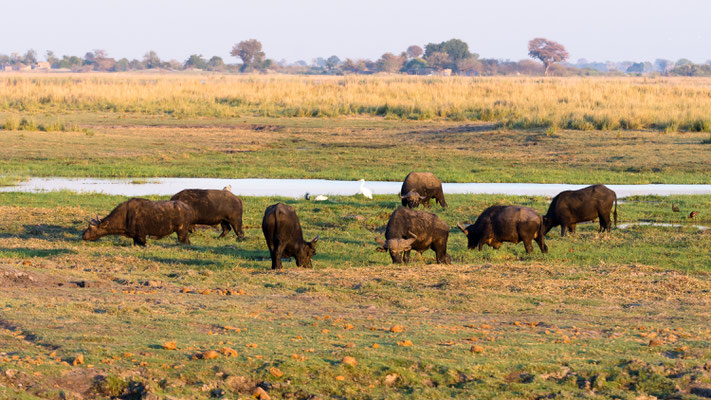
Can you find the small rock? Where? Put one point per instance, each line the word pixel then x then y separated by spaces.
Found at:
pixel 348 360
pixel 390 379
pixel 208 355
pixel 405 343
pixel 228 352
pixel 375 345
pixel 170 346
pixel 260 394
pixel 655 342
pixel 276 372
pixel 79 360
pixel 397 329
pixel 477 349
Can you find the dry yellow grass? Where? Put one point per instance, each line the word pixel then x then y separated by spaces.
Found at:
pixel 666 104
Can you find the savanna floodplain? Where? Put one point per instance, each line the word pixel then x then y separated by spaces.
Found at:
pixel 618 315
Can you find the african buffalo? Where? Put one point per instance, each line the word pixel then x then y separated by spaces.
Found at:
pixel 138 218
pixel 498 224
pixel 573 206
pixel 419 188
pixel 282 231
pixel 414 230
pixel 215 207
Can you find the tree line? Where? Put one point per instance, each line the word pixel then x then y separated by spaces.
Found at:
pixel 449 57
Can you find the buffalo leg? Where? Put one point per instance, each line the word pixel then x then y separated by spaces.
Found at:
pixel 605 223
pixel 139 240
pixel 541 240
pixel 572 228
pixel 528 244
pixel 441 253
pixel 562 230
pixel 184 236
pixel 406 257
pixel 276 259
pixel 225 229
pixel 238 230
pixel 277 255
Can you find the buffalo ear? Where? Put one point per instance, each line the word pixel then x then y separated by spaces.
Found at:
pixel 463 228
pixel 381 242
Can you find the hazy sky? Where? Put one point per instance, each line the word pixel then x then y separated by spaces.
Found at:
pixel 290 29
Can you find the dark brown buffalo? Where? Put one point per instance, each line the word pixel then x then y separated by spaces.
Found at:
pixel 138 218
pixel 415 230
pixel 282 231
pixel 215 207
pixel 419 188
pixel 498 224
pixel 573 206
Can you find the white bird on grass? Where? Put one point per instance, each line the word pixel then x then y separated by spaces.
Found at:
pixel 364 190
pixel 320 197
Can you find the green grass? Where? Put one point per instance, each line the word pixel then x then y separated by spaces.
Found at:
pixel 594 302
pixel 350 149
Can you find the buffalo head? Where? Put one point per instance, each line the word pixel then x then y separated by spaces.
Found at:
pixel 412 198
pixel 93 231
pixel 307 251
pixel 396 247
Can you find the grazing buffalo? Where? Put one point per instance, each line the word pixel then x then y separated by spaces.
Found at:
pixel 419 188
pixel 138 218
pixel 282 231
pixel 215 207
pixel 573 206
pixel 498 224
pixel 415 230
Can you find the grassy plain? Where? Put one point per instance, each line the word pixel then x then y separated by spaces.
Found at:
pixel 576 322
pixel 662 104
pixel 623 315
pixel 350 148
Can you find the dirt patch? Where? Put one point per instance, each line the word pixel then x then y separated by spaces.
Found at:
pixel 11 277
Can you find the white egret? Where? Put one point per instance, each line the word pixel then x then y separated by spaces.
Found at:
pixel 364 190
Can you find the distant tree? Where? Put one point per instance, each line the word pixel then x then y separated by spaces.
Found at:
pixel 455 49
pixel 414 51
pixel 301 63
pixel 469 65
pixel 135 64
pixel 151 60
pixel 173 64
pixel 52 59
pixel 4 60
pixel 89 58
pixel 355 66
pixel 122 65
pixel 548 51
pixel 636 68
pixel 104 64
pixel 683 61
pixel 100 53
pixel 196 61
pixel 30 57
pixel 414 65
pixel 332 63
pixel 390 63
pixel 438 60
pixel 216 64
pixel 663 65
pixel 530 67
pixel 250 51
pixel 70 62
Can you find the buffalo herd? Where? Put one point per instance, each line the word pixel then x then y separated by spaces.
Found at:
pixel 407 229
